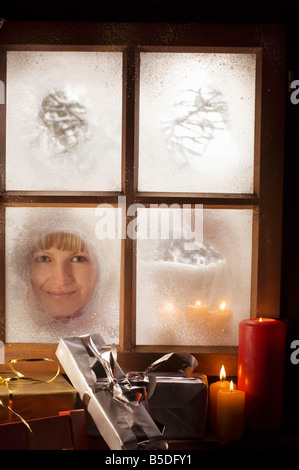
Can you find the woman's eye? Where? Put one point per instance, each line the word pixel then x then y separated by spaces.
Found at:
pixel 79 259
pixel 42 259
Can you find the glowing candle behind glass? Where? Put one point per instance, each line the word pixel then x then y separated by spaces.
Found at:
pixel 200 310
pixel 170 321
pixel 170 312
pixel 197 318
pixel 221 321
pixel 169 309
pixel 224 313
pixel 214 387
pixel 223 306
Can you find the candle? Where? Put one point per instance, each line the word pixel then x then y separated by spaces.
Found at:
pixel 214 387
pixel 230 413
pixel 168 312
pixel 197 317
pixel 223 310
pixel 200 309
pixel 261 371
pixel 170 319
pixel 221 320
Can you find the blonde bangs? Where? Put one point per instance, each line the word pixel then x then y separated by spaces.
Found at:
pixel 65 241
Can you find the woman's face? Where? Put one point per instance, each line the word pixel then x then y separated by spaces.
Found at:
pixel 63 281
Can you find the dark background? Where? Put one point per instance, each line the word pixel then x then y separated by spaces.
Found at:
pixel 187 11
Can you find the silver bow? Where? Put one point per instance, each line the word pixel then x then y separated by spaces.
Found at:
pixel 107 375
pixel 142 379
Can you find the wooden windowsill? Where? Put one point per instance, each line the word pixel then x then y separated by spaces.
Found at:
pixel 210 359
pixel 288 439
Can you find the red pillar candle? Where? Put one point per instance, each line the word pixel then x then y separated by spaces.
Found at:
pixel 261 371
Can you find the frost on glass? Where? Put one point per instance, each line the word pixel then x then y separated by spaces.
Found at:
pixel 195 293
pixel 64 121
pixel 56 287
pixel 197 115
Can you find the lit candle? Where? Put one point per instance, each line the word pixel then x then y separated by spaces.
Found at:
pixel 230 413
pixel 169 309
pixel 201 308
pixel 197 318
pixel 214 387
pixel 170 321
pixel 221 320
pixel 261 371
pixel 224 310
pixel 169 312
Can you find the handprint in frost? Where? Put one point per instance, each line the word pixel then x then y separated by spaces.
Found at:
pixel 64 119
pixel 195 118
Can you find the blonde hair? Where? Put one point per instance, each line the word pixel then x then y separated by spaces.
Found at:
pixel 65 241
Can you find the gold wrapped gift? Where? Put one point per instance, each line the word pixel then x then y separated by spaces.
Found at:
pixel 35 399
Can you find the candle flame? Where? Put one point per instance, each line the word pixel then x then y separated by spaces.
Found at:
pixel 198 303
pixel 231 386
pixel 169 308
pixel 260 319
pixel 222 305
pixel 222 373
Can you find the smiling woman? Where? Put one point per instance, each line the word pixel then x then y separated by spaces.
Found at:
pixel 63 275
pixel 62 280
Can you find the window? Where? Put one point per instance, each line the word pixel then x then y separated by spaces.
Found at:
pixel 165 144
pixel 63 124
pixel 197 114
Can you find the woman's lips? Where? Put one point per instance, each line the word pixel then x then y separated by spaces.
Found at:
pixel 61 295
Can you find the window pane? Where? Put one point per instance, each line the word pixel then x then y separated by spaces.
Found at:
pixel 62 278
pixel 195 294
pixel 197 113
pixel 64 121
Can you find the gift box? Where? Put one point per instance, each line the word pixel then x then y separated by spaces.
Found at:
pixel 111 400
pixel 35 398
pixel 177 401
pixel 179 405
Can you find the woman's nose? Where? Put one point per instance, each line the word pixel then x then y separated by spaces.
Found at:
pixel 62 273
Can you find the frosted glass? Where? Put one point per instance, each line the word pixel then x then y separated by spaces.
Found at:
pixel 173 277
pixel 197 114
pixel 39 303
pixel 64 112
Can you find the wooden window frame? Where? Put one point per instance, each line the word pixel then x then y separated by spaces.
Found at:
pixel 266 200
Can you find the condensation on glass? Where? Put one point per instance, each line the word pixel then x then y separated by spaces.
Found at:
pixel 64 112
pixel 194 291
pixel 197 119
pixel 62 276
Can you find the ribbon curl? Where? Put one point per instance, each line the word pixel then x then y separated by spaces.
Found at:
pixel 143 379
pixel 127 388
pixel 21 377
pixel 107 375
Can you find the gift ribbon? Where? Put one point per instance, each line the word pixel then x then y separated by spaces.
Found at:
pixel 107 377
pixel 188 361
pixel 10 410
pixel 102 365
pixel 143 379
pixel 19 376
pixel 23 377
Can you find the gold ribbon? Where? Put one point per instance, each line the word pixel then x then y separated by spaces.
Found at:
pixel 16 414
pixel 19 377
pixel 23 377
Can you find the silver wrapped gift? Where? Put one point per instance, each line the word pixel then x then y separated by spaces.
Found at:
pixel 177 401
pixel 111 400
